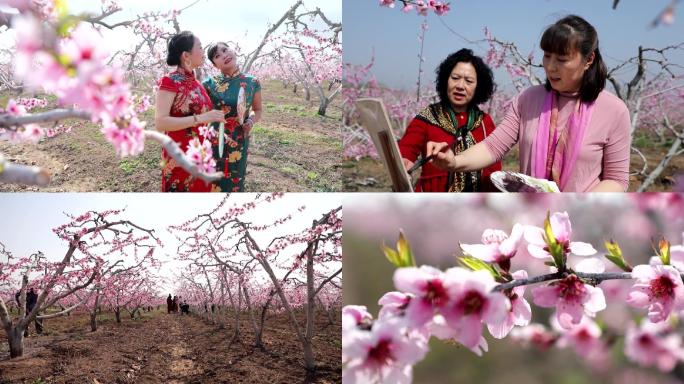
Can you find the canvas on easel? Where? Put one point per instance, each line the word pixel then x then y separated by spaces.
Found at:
pixel 375 120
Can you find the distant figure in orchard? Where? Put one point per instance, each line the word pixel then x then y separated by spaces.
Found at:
pixel 174 304
pixel 223 90
pixel 570 130
pixel 31 300
pixel 463 82
pixel 185 308
pixel 182 106
pixel 169 304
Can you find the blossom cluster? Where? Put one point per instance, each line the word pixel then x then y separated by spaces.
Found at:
pixel 422 7
pixel 458 303
pixel 68 59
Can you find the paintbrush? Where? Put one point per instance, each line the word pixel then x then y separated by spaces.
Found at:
pixel 420 163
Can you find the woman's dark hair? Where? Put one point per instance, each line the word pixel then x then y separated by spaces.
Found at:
pixel 573 33
pixel 485 78
pixel 182 42
pixel 211 51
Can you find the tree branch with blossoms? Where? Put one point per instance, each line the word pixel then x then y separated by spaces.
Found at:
pixel 56 52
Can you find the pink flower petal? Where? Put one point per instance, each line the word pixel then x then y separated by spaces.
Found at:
pixel 545 296
pixel 485 252
pixel 582 249
pixel 511 244
pixel 419 312
pixel 596 300
pixel 497 308
pixel 522 313
pixel 470 331
pixel 537 252
pixel 569 313
pixel 560 225
pixel 500 329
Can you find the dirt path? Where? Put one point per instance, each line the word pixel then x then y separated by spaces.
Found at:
pixel 163 348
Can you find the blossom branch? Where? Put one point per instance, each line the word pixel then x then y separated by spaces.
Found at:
pixel 177 154
pixel 9 121
pixel 22 174
pixel 595 278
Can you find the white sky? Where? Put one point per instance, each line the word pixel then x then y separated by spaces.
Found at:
pixel 28 218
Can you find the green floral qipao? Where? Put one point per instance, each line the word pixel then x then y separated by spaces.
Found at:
pixel 223 91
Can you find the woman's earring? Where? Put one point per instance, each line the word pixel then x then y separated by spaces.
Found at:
pixel 187 64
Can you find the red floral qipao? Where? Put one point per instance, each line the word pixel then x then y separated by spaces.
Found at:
pixel 191 99
pixel 435 123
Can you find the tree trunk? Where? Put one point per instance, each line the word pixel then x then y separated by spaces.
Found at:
pixel 257 330
pixel 117 313
pixel 237 313
pixel 310 311
pixel 323 106
pixel 16 342
pixel 263 317
pixel 307 94
pixel 653 176
pixel 93 321
pixel 328 312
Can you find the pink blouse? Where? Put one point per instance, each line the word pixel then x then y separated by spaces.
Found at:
pixel 605 150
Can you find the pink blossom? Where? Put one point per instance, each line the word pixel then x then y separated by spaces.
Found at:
pixel 14 108
pixel 20 5
pixel 128 137
pixel 497 246
pixel 407 8
pixel 472 303
pixel 355 315
pixel 520 313
pixel 394 304
pixel 84 48
pixel 562 231
pixel 386 353
pixel 658 288
pixel 584 338
pixel 387 3
pixel 534 335
pixel 200 154
pixel 572 298
pixel 650 345
pixel 441 8
pixel 32 132
pixel 207 132
pixel 428 286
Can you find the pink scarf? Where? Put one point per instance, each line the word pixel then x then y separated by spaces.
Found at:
pixel 564 150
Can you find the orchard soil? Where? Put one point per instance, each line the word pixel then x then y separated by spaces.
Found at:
pixel 292 149
pixel 171 348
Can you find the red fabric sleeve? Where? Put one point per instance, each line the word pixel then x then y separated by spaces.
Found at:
pixel 166 84
pixel 414 140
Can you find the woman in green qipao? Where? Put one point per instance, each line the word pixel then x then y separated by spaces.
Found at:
pixel 223 90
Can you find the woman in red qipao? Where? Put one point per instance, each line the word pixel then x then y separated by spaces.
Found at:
pixel 463 82
pixel 182 106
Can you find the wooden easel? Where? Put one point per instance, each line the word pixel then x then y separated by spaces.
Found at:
pixel 375 120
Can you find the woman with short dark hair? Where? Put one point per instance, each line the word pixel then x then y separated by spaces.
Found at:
pixel 570 130
pixel 463 82
pixel 182 106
